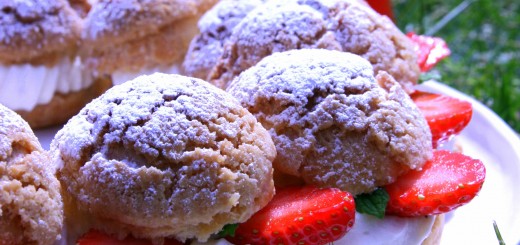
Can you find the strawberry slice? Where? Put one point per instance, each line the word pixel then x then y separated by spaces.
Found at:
pixel 445 115
pixel 449 180
pixel 94 237
pixel 299 215
pixel 430 50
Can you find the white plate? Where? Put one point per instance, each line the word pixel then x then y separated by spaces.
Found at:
pixel 488 138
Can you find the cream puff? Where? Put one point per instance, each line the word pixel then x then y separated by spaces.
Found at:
pixel 40 73
pixel 31 209
pixel 163 156
pixel 334 122
pixel 124 39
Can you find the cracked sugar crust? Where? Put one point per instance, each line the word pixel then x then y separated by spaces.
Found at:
pixel 215 28
pixel 31 210
pixel 333 123
pixel 346 25
pixel 166 155
pixel 30 29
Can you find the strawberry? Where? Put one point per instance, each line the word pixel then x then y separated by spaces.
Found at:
pixel 299 215
pixel 94 237
pixel 383 7
pixel 430 50
pixel 445 115
pixel 449 180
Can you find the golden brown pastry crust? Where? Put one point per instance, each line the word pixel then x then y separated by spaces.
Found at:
pixel 63 106
pixel 167 47
pixel 34 29
pixel 165 155
pixel 333 122
pixel 31 210
pixel 345 25
pixel 112 22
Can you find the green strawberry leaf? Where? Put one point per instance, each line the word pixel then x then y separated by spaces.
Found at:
pixel 227 230
pixel 373 203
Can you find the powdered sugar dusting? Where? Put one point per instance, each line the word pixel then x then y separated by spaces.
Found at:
pixel 346 25
pixel 215 28
pixel 125 112
pixel 105 13
pixel 333 122
pixel 225 15
pixel 34 27
pixel 177 152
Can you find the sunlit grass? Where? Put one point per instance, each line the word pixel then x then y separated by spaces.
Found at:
pixel 485 43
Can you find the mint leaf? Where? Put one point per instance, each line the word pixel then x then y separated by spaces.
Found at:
pixel 373 203
pixel 431 75
pixel 227 230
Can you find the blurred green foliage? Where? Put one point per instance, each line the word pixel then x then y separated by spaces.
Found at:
pixel 484 39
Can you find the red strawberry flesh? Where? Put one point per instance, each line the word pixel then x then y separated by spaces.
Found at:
pixel 383 7
pixel 445 115
pixel 300 215
pixel 448 181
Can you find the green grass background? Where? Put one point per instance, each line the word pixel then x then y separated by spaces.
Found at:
pixel 484 39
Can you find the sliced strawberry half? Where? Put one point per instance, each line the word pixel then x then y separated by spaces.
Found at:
pixel 445 115
pixel 430 50
pixel 449 180
pixel 94 237
pixel 299 215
